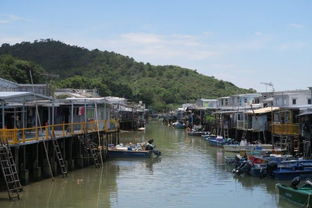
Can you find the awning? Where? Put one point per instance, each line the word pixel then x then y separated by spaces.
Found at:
pixel 263 110
pixel 306 113
pixel 21 97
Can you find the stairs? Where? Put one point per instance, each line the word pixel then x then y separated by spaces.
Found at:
pixel 59 157
pixel 9 172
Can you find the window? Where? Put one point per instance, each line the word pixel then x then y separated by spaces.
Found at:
pixel 245 100
pixel 294 101
pixel 238 117
pixel 309 101
pixel 256 101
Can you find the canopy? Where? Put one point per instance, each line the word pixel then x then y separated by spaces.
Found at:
pixel 306 113
pixel 263 110
pixel 21 97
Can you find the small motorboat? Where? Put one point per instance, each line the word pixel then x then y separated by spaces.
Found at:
pixel 287 170
pixel 301 196
pixel 197 133
pixel 142 150
pixel 217 141
pixel 179 125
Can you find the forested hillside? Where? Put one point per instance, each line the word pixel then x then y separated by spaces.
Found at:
pixel 160 87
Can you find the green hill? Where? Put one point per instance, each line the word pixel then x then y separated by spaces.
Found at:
pixel 160 87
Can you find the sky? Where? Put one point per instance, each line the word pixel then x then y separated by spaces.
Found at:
pixel 246 42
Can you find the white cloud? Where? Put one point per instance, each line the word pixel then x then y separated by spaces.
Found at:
pixel 258 33
pixel 292 45
pixel 298 26
pixel 150 46
pixel 6 19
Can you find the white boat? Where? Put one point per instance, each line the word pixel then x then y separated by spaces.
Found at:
pixel 245 147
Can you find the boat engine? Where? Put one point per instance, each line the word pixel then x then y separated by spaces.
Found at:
pixel 263 173
pixel 243 168
pixel 295 182
pixel 157 152
pixel 271 166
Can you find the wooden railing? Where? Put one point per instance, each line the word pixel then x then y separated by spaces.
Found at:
pixel 286 129
pixel 24 135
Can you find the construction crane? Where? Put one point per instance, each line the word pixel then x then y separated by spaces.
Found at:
pixel 268 84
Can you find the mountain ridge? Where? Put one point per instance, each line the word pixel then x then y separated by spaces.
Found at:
pixel 160 87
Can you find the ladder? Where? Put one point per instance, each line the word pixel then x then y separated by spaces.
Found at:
pixel 95 154
pixel 9 172
pixel 296 144
pixel 92 150
pixel 284 143
pixel 59 157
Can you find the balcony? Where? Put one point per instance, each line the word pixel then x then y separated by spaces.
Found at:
pixel 286 129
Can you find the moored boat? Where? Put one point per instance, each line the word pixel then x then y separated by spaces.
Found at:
pixel 197 133
pixel 248 148
pixel 142 150
pixel 217 141
pixel 113 153
pixel 179 125
pixel 299 195
pixel 288 170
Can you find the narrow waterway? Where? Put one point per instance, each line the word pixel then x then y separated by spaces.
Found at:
pixel 189 173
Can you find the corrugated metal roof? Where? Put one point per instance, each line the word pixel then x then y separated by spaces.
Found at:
pixel 9 96
pixel 12 94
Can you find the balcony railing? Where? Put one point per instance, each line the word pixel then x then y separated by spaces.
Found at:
pixel 286 129
pixel 24 135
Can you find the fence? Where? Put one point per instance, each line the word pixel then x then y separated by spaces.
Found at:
pixel 24 135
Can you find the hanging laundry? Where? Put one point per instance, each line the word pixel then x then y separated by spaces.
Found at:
pixel 81 111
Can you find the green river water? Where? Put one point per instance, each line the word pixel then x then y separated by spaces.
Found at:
pixel 189 173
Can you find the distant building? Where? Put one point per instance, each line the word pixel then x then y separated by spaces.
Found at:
pixel 296 98
pixel 9 86
pixel 207 103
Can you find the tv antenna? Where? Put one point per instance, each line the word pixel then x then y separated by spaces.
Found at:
pixel 268 84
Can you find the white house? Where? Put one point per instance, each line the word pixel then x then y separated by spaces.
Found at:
pixel 296 99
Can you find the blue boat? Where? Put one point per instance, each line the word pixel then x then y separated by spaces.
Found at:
pixel 217 141
pixel 290 169
pixel 179 125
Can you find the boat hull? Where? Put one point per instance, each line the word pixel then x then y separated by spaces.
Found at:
pixel 247 148
pixel 301 196
pixel 129 153
pixel 197 133
pixel 285 174
pixel 216 142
